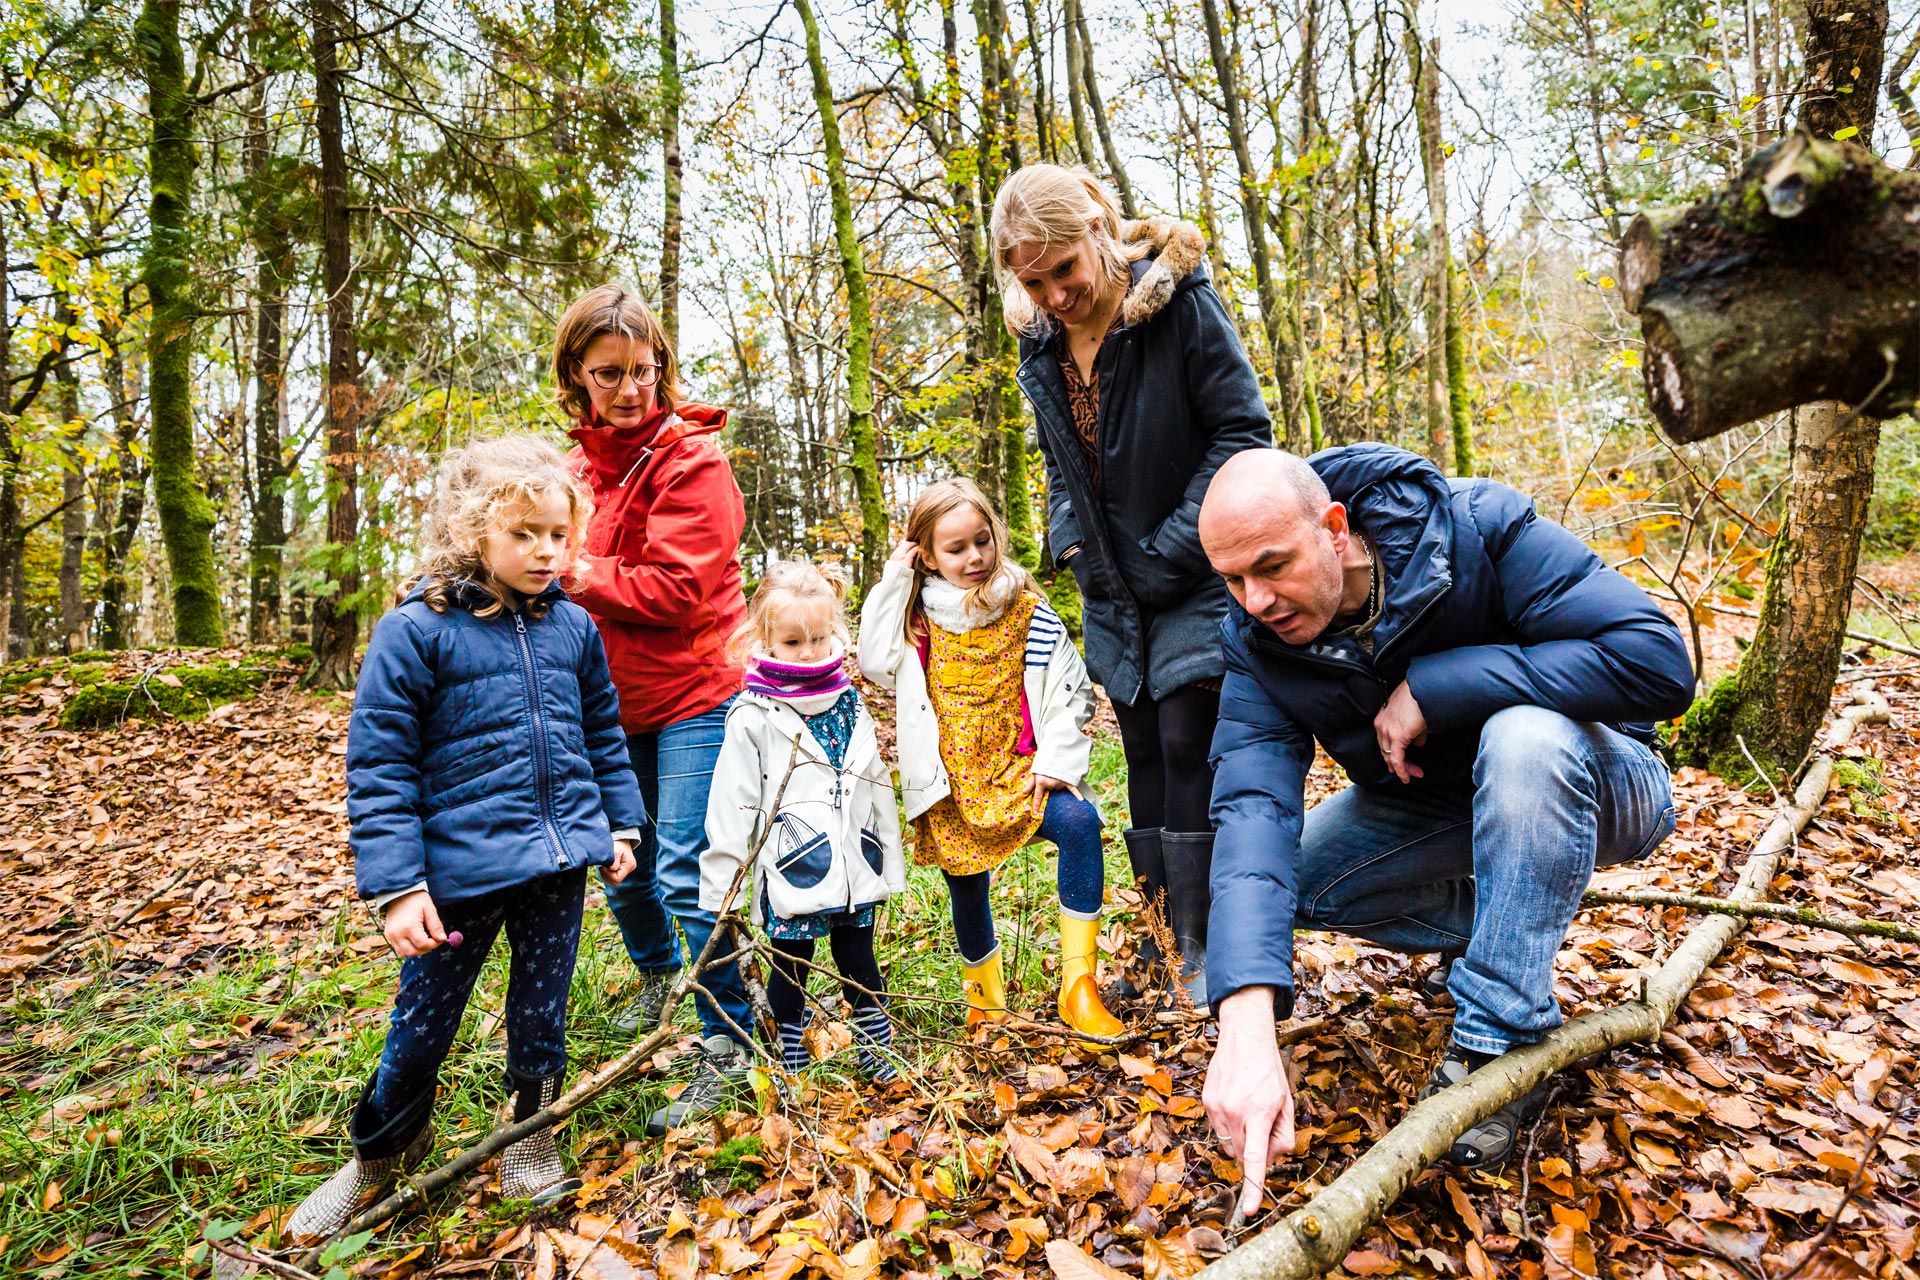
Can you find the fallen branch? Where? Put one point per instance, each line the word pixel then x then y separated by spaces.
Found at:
pixel 1852 926
pixel 1316 1237
pixel 67 944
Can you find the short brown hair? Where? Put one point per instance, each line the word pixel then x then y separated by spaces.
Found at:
pixel 603 309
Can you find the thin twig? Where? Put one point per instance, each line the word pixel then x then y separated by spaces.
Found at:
pixel 1852 926
pixel 1846 1197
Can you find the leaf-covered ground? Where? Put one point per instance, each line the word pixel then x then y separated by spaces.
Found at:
pixel 194 998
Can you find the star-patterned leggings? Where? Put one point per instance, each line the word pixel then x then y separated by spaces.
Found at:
pixel 542 922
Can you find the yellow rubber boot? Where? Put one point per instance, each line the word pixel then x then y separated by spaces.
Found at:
pixel 986 987
pixel 1080 1006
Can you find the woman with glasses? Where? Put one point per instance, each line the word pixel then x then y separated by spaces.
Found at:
pixel 664 585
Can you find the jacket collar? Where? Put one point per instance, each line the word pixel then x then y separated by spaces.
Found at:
pixel 470 595
pixel 614 453
pixel 1402 503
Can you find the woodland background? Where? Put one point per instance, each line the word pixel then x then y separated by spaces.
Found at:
pixel 264 262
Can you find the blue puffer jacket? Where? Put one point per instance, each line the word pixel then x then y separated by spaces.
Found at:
pixel 484 752
pixel 1487 606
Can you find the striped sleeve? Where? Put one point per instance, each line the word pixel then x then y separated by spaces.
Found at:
pixel 1044 634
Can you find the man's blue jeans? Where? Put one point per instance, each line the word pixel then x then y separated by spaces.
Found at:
pixel 675 770
pixel 1498 872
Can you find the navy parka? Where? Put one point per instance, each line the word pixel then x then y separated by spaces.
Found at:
pixel 1486 606
pixel 1177 399
pixel 484 752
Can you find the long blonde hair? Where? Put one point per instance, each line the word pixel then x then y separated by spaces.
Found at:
pixel 937 501
pixel 1048 205
pixel 791 582
pixel 604 309
pixel 485 488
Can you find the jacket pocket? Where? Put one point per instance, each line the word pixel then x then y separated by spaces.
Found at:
pixel 802 856
pixel 870 850
pixel 443 786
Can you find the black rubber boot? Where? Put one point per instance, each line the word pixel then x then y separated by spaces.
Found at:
pixel 1150 876
pixel 1189 859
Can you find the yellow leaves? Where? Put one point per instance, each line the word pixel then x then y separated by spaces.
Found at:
pixel 50 1198
pixel 1647 152
pixel 1841 135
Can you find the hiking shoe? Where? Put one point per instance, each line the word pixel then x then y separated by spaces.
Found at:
pixel 642 1012
pixel 720 1078
pixel 1434 985
pixel 1489 1144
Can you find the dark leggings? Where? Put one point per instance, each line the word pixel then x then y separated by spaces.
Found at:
pixel 860 979
pixel 1074 826
pixel 1169 778
pixel 542 923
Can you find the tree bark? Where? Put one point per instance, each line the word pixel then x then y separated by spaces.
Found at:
pixel 9 457
pixel 272 234
pixel 860 422
pixel 1076 85
pixel 1845 44
pixel 671 95
pixel 336 620
pixel 186 517
pixel 1449 424
pixel 1116 169
pixel 130 496
pixel 1253 205
pixel 1792 284
pixel 73 510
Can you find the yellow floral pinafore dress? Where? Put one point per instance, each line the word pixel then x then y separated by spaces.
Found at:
pixel 975 681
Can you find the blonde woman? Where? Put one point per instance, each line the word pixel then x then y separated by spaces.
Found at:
pixel 665 588
pixel 471 816
pixel 1141 390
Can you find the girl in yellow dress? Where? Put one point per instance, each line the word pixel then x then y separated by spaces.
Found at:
pixel 990 700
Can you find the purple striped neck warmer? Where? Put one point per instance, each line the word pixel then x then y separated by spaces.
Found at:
pixel 792 682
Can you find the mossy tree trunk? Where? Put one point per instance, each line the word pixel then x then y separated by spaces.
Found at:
pixel 861 431
pixel 1774 704
pixel 129 499
pixel 336 617
pixel 186 517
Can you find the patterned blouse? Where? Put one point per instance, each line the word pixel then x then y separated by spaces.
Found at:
pixel 1083 397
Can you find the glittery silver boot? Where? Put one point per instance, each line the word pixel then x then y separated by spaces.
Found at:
pixel 380 1155
pixel 530 1169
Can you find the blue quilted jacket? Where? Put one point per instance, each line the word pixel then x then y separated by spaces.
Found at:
pixel 1486 606
pixel 484 752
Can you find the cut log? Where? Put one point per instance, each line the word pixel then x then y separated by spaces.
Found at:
pixel 1314 1238
pixel 1798 282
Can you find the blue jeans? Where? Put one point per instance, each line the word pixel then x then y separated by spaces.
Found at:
pixel 542 923
pixel 1074 826
pixel 1499 872
pixel 675 770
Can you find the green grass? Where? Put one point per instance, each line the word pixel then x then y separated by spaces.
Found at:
pixel 160 1100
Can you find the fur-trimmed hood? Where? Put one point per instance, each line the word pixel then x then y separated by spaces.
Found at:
pixel 1176 249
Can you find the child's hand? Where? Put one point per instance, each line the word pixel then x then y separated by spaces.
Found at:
pixel 907 553
pixel 1038 785
pixel 413 925
pixel 623 861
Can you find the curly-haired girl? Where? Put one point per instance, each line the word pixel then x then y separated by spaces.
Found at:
pixel 486 772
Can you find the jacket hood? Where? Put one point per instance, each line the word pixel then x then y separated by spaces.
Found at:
pixel 1403 505
pixel 616 450
pixel 1177 250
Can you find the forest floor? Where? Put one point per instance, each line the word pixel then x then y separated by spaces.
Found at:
pixel 194 998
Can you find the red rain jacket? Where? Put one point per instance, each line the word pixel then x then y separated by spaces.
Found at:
pixel 664 582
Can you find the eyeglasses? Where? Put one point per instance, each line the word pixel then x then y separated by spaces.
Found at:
pixel 611 377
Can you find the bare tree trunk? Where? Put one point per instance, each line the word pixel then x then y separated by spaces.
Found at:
pixel 10 548
pixel 1043 124
pixel 1116 169
pixel 1449 430
pixel 1253 208
pixel 272 235
pixel 336 618
pixel 1776 700
pixel 1076 85
pixel 671 94
pixel 130 496
pixel 73 510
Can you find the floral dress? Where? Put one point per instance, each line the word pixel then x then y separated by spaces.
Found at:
pixel 833 730
pixel 976 681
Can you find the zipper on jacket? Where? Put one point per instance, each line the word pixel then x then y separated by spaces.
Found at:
pixel 530 674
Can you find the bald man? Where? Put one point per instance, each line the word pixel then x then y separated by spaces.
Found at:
pixel 1489 687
